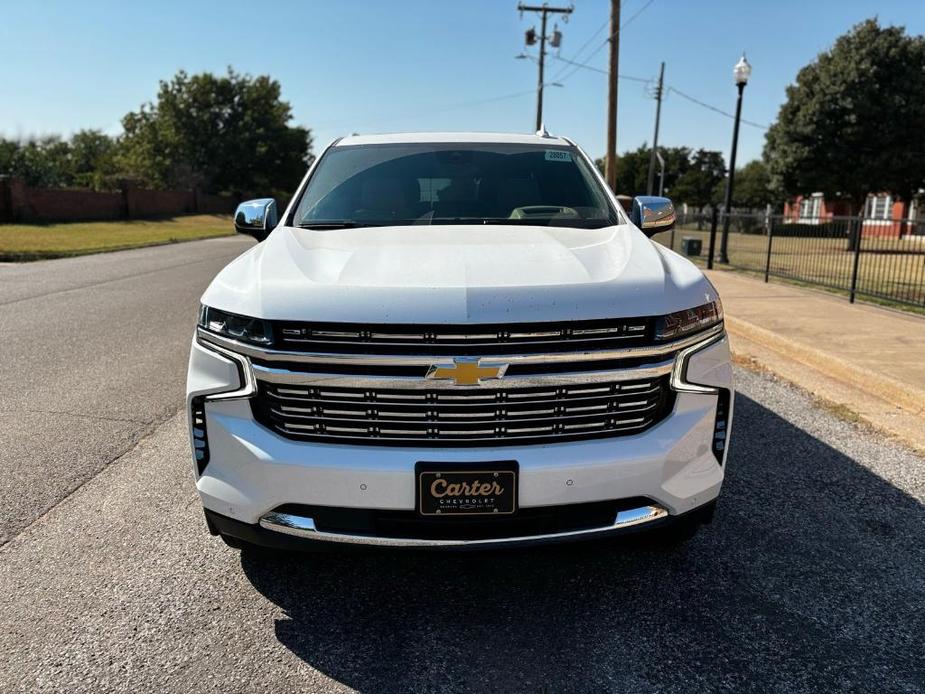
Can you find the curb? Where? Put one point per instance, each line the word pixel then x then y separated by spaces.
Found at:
pixel 890 390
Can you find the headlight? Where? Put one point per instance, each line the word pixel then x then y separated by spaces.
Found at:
pixel 691 320
pixel 253 330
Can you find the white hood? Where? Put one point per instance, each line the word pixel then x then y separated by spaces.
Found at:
pixel 457 274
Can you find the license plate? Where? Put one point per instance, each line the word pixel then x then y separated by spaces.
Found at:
pixel 476 489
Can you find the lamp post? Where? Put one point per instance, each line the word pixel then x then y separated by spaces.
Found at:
pixel 741 72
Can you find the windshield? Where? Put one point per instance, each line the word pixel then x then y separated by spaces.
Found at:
pixel 453 183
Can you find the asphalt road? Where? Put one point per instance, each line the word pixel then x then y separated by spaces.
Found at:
pixel 91 359
pixel 812 576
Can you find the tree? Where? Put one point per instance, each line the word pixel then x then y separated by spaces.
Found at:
pixel 696 186
pixel 752 186
pixel 49 162
pixel 228 133
pixel 853 122
pixel 92 160
pixel 43 162
pixel 633 169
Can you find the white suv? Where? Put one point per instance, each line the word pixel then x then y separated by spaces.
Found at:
pixel 457 339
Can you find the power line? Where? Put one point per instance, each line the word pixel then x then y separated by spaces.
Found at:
pixel 668 89
pixel 714 109
pixel 607 40
pixel 580 50
pixel 644 80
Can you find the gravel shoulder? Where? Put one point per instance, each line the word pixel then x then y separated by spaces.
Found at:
pixel 811 578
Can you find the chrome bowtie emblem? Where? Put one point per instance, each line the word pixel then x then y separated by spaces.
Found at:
pixel 466 372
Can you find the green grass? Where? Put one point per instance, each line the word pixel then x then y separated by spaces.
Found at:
pixel 20 242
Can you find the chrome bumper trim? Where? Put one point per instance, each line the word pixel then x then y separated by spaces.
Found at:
pixel 274 375
pixel 668 349
pixel 301 526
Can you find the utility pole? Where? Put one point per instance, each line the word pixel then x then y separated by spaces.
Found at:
pixel 610 160
pixel 544 10
pixel 661 173
pixel 659 91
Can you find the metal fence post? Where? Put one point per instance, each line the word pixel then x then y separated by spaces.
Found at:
pixel 713 221
pixel 767 260
pixel 857 233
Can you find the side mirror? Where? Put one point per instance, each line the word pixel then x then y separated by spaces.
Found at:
pixel 652 214
pixel 256 218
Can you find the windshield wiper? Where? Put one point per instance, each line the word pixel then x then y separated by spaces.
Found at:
pixel 471 220
pixel 567 222
pixel 334 224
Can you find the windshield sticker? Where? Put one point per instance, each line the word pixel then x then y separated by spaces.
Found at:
pixel 558 155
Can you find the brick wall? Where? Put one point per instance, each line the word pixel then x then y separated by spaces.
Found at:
pixel 152 203
pixel 21 203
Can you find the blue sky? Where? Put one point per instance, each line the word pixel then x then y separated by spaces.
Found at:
pixel 352 66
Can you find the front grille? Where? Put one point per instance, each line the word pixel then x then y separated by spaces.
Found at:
pixel 462 340
pixel 462 416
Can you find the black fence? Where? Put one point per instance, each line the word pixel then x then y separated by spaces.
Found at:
pixel 881 259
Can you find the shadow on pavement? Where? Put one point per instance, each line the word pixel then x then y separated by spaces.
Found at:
pixel 809 578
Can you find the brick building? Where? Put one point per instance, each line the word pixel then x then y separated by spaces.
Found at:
pixel 884 214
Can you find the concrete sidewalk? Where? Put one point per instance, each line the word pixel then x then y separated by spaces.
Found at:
pixel 861 358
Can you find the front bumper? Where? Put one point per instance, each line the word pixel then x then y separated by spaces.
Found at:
pixel 252 471
pixel 300 533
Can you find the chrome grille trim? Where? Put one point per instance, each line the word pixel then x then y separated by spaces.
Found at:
pixel 425 360
pixel 306 378
pixel 471 416
pixel 362 338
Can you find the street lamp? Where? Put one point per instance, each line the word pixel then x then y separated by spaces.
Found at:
pixel 740 73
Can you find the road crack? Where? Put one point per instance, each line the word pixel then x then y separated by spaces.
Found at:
pixel 81 415
pixel 151 428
